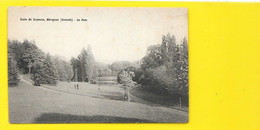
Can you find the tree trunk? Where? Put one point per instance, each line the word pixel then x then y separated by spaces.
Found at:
pixel 30 66
pixel 29 70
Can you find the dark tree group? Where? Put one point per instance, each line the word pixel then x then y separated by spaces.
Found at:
pixel 13 74
pixel 163 70
pixel 84 68
pixel 26 58
pixel 166 65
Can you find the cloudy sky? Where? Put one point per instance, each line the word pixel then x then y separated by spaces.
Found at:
pixel 113 33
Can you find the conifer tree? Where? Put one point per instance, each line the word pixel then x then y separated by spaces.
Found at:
pixel 90 63
pixel 83 64
pixel 48 71
pixel 31 55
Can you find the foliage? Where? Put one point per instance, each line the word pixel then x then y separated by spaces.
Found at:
pixel 164 69
pixel 83 66
pixel 63 69
pixel 13 74
pixel 31 55
pixel 125 77
pixel 153 57
pixel 17 48
pixel 90 64
pixel 48 71
pixel 39 66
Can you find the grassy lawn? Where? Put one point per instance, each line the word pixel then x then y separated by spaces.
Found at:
pixel 113 92
pixel 32 104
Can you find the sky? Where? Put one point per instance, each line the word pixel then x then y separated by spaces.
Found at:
pixel 114 34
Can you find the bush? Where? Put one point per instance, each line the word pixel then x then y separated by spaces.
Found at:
pixel 125 78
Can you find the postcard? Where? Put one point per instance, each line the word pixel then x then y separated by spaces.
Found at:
pixel 98 65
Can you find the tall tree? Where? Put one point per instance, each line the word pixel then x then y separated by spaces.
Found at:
pixel 83 64
pixel 165 68
pixel 69 71
pixel 90 64
pixel 153 57
pixel 18 50
pixel 73 63
pixel 64 69
pixel 168 50
pixel 31 55
pixel 48 71
pixel 183 78
pixel 13 75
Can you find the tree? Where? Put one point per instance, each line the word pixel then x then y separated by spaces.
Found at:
pixel 37 75
pixel 84 67
pixel 90 64
pixel 13 75
pixel 33 61
pixel 125 77
pixel 184 67
pixel 83 64
pixel 153 57
pixel 17 49
pixel 48 71
pixel 165 68
pixel 64 69
pixel 183 77
pixel 73 63
pixel 79 69
pixel 69 71
pixel 168 50
pixel 31 55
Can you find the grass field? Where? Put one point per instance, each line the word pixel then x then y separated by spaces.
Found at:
pixel 64 104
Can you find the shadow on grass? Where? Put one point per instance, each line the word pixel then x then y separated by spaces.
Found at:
pixel 110 97
pixel 151 98
pixel 67 118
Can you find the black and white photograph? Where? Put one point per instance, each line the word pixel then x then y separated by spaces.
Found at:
pixel 97 65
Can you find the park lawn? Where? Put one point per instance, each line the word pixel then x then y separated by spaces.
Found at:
pixel 113 92
pixel 32 104
pixel 116 92
pixel 109 90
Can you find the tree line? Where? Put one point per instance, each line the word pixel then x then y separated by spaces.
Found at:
pixel 163 70
pixel 84 67
pixel 24 57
